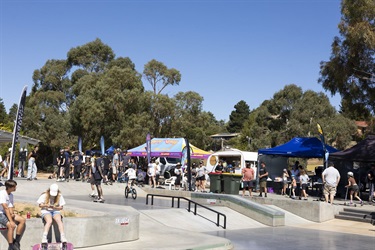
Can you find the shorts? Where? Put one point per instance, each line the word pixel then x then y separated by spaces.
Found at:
pixel 3 219
pixel 248 184
pixel 354 189
pixel 52 213
pixel 304 186
pixel 105 171
pixel 114 170
pixel 329 190
pixel 201 178
pixel 92 180
pixel 263 184
pixel 97 182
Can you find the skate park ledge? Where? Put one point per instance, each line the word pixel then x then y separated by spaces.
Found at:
pixel 254 208
pixel 84 231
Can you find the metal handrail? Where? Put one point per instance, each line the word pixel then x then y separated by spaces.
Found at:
pixel 189 206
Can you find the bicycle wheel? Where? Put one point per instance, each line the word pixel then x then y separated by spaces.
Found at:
pixel 126 192
pixel 134 193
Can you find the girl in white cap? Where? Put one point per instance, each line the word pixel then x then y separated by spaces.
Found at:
pixel 51 202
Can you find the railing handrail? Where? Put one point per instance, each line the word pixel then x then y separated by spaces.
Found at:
pixel 189 203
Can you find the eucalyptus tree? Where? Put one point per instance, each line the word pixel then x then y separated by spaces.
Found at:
pixel 192 122
pixel 291 113
pixel 350 71
pixel 159 76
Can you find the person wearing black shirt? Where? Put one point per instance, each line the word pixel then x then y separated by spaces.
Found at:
pixel 263 174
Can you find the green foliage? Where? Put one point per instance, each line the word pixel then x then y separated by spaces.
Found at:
pixel 238 116
pixel 350 71
pixel 156 73
pixel 291 113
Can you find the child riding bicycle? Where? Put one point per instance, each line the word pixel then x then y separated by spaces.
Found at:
pixel 132 176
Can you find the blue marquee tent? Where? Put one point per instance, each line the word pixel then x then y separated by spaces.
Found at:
pixel 299 147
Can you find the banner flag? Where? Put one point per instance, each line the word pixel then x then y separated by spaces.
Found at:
pixel 321 135
pixel 102 145
pixel 148 147
pixel 80 144
pixel 16 131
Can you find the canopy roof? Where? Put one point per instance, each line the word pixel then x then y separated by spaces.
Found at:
pixel 6 137
pixel 168 147
pixel 364 151
pixel 301 147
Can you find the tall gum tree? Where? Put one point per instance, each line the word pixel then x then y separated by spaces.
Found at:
pixel 350 71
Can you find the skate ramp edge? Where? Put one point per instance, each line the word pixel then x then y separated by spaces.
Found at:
pixel 263 214
pixel 85 231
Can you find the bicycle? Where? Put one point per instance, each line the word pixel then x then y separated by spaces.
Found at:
pixel 131 190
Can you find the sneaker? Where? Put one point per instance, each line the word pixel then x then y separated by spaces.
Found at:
pixel 361 202
pixel 260 195
pixel 265 195
pixel 305 199
pixel 63 239
pixel 35 179
pixel 293 197
pixel 29 179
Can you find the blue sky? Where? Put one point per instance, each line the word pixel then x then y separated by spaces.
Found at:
pixel 227 51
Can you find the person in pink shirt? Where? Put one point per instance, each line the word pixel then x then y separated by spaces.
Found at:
pixel 247 179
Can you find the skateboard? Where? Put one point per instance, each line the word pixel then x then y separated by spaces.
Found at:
pixel 53 246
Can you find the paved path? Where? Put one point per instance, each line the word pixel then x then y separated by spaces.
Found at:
pixel 162 227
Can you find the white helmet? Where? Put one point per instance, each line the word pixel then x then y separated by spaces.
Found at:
pixel 350 174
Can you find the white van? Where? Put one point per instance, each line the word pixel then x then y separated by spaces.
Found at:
pixel 167 164
pixel 236 157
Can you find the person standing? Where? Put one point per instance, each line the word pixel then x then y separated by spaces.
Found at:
pixel 330 178
pixel 22 162
pixel 247 179
pixel 151 173
pixel 32 168
pixel 51 203
pixel 61 166
pixel 67 155
pixel 115 164
pixel 371 182
pixel 178 173
pixel 77 164
pixel 98 176
pixel 9 218
pixel 285 177
pixel 201 177
pixel 263 174
pixel 304 180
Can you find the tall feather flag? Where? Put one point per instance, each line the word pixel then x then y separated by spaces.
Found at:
pixel 102 145
pixel 80 144
pixel 321 135
pixel 148 147
pixel 16 131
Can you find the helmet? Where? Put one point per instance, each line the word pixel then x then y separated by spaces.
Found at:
pixel 350 174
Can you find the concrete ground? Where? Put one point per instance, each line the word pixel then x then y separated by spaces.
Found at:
pixel 163 227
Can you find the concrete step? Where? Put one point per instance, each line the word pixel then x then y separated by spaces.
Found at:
pixel 352 218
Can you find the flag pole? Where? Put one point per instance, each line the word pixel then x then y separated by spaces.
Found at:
pixel 16 131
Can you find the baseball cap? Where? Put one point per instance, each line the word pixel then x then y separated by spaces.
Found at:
pixel 53 189
pixel 284 169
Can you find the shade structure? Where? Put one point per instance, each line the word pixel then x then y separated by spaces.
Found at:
pixel 300 147
pixel 168 147
pixel 363 151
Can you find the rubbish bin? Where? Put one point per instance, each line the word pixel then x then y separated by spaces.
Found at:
pixel 215 182
pixel 232 183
